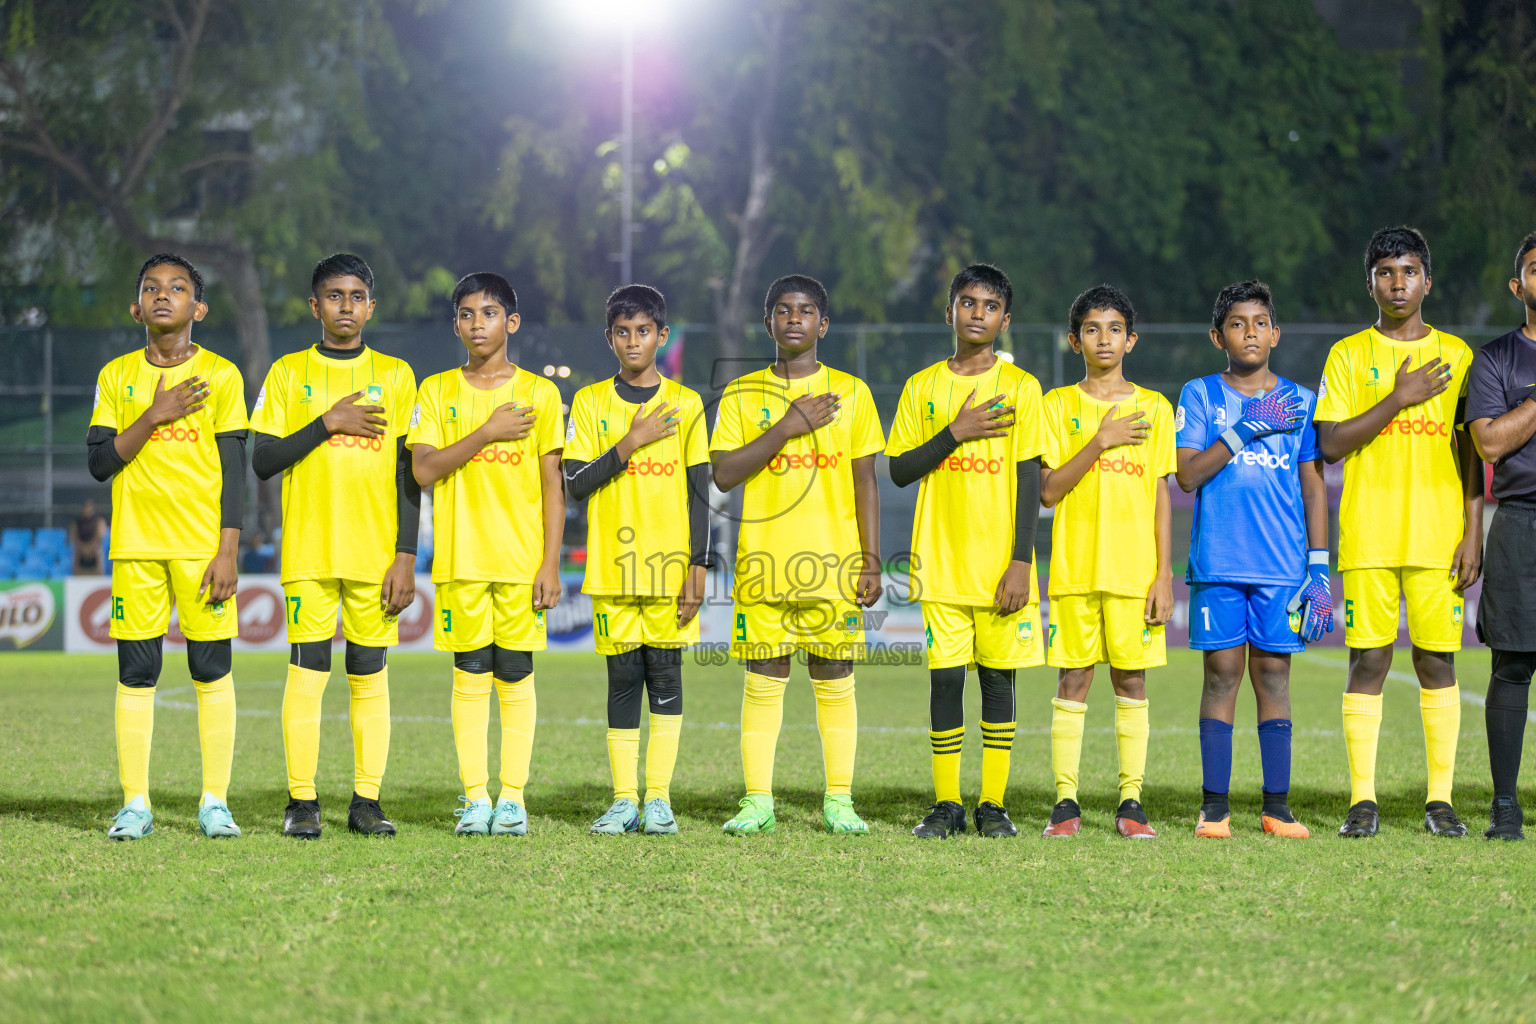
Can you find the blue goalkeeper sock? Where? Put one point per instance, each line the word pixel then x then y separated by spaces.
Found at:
pixel 1275 752
pixel 1215 763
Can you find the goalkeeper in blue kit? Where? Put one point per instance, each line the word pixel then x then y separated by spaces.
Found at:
pixel 1258 553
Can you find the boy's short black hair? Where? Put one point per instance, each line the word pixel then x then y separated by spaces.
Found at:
pixel 632 300
pixel 989 277
pixel 171 258
pixel 1526 245
pixel 1399 241
pixel 341 264
pixel 797 283
pixel 1101 296
pixel 494 285
pixel 1251 290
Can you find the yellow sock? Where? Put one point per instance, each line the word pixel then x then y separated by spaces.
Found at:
pixel 624 763
pixel 519 716
pixel 135 728
pixel 301 728
pixel 946 763
pixel 1067 744
pixel 996 757
pixel 471 726
pixel 216 732
pixel 370 731
pixel 1441 711
pixel 762 713
pixel 837 719
pixel 1131 731
pixel 1362 726
pixel 661 756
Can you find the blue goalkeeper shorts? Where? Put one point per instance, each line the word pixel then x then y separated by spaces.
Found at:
pixel 1223 615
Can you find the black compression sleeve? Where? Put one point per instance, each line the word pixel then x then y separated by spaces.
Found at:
pixel 232 470
pixel 909 467
pixel 101 454
pixel 1026 515
pixel 698 514
pixel 408 495
pixel 270 455
pixel 582 479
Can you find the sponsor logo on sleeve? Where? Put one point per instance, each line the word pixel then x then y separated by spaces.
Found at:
pixel 96 400
pixel 1322 386
pixel 416 416
pixel 570 431
pixel 261 399
pixel 1178 419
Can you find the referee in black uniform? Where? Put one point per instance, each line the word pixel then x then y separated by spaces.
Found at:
pixel 1501 412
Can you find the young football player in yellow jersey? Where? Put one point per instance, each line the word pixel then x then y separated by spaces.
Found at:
pixel 1109 453
pixel 168 429
pixel 637 449
pixel 802 437
pixel 1410 519
pixel 332 419
pixel 968 427
pixel 486 439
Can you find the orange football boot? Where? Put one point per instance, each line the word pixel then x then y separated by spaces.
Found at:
pixel 1284 829
pixel 1219 829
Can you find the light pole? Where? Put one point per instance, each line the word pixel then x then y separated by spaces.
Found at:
pixel 627 152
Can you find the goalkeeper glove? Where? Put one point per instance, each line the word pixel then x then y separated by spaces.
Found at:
pixel 1276 413
pixel 1313 599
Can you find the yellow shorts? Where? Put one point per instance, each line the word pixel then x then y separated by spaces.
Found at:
pixel 828 628
pixel 472 615
pixel 960 634
pixel 143 592
pixel 1087 629
pixel 621 624
pixel 1371 608
pixel 312 606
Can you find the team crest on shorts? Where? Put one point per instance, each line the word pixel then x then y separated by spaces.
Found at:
pixel 1294 621
pixel 1146 636
pixel 1456 614
pixel 1026 632
pixel 217 609
pixel 375 394
pixel 850 625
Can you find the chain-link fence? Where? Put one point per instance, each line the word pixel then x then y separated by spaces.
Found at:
pixel 50 373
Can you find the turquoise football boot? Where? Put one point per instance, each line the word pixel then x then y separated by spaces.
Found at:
pixel 474 817
pixel 214 819
pixel 755 815
pixel 837 812
pixel 509 819
pixel 657 819
pixel 622 817
pixel 132 822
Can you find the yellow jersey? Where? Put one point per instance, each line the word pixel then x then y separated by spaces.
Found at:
pixel 963 529
pixel 637 522
pixel 1402 502
pixel 1104 537
pixel 487 515
pixel 798 537
pixel 340 507
pixel 165 503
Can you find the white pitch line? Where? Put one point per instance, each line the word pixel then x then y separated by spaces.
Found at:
pixel 1467 696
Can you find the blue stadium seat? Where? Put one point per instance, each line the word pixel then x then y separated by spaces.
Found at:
pixel 34 569
pixel 7 566
pixel 51 539
pixel 15 539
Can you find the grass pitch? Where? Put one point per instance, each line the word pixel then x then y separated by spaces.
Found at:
pixel 797 924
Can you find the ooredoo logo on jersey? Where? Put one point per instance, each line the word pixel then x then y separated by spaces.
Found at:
pixel 172 432
pixel 1121 464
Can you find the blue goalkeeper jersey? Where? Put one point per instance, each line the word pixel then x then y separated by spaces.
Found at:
pixel 1249 524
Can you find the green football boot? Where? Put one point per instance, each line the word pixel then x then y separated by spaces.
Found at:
pixel 837 812
pixel 755 815
pixel 657 820
pixel 509 819
pixel 474 817
pixel 214 819
pixel 132 822
pixel 622 817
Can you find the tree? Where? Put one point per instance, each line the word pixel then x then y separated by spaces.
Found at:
pixel 207 127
